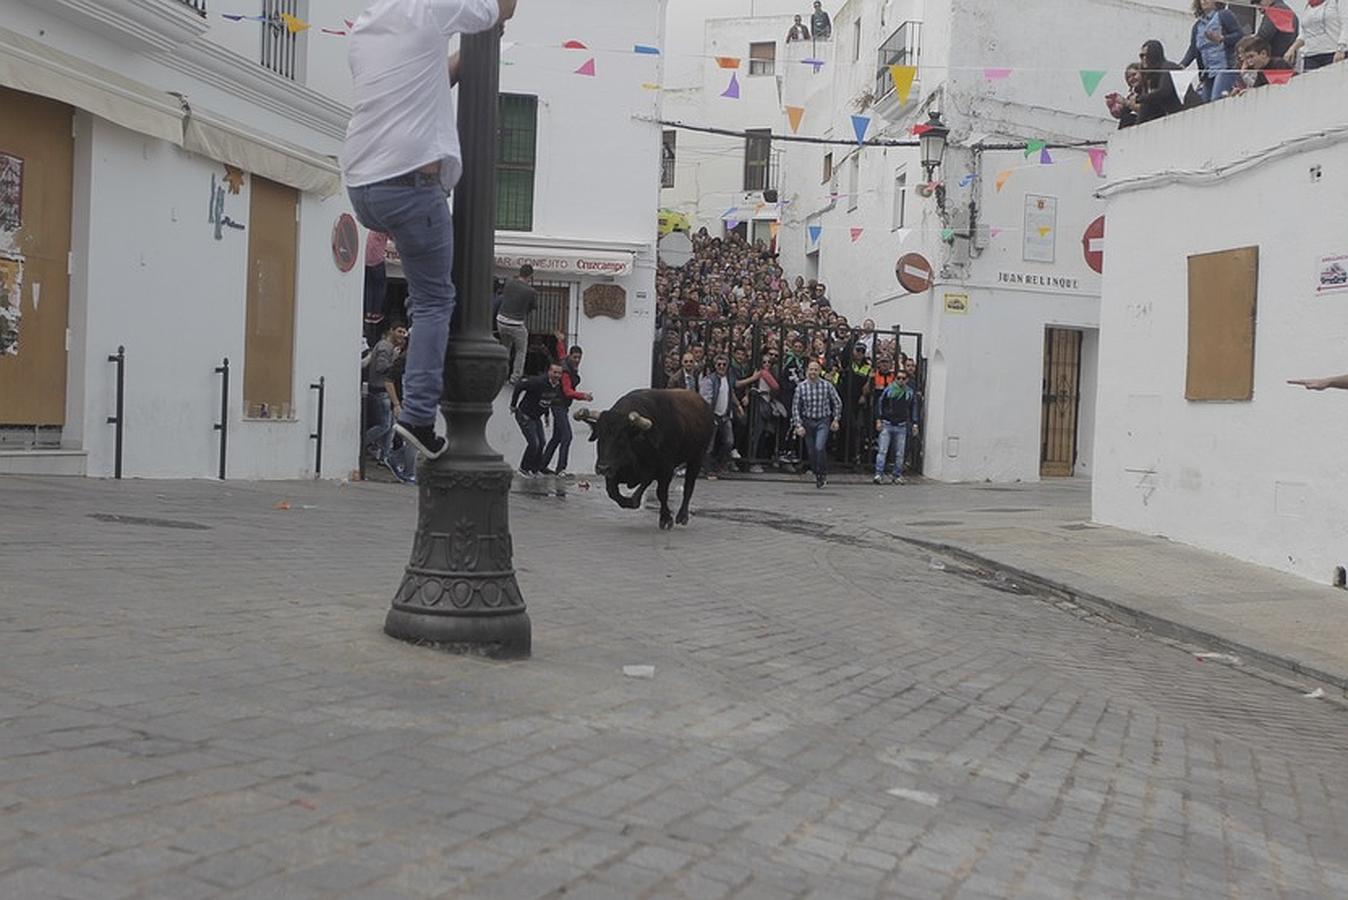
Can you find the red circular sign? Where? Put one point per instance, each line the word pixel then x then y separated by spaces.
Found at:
pixel 1093 245
pixel 345 243
pixel 915 273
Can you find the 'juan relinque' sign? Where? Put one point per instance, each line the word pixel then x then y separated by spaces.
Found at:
pixel 605 300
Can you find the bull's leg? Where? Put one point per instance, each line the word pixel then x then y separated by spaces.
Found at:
pixel 640 492
pixel 662 491
pixel 689 480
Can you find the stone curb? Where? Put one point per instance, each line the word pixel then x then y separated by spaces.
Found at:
pixel 1136 618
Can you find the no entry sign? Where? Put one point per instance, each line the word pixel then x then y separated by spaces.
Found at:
pixel 915 273
pixel 1093 245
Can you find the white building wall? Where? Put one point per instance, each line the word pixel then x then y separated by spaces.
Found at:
pixel 984 403
pixel 1261 480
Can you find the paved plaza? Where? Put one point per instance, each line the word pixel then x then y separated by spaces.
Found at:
pixel 197 701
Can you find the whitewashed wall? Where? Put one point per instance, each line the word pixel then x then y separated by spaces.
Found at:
pixel 1263 480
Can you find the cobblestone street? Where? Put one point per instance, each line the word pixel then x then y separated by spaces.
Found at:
pixel 197 700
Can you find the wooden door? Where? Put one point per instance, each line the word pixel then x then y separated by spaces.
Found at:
pixel 1061 399
pixel 269 345
pixel 36 184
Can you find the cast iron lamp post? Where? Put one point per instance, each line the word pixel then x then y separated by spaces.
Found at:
pixel 459 591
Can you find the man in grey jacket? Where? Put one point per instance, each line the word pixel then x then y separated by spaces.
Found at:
pixel 517 301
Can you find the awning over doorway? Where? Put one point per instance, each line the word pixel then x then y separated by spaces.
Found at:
pixel 283 163
pixel 555 261
pixel 36 68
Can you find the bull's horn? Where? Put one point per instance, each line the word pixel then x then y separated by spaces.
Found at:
pixel 637 419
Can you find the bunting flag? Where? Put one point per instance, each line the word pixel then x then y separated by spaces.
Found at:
pixel 1283 19
pixel 728 62
pixel 919 130
pixel 903 80
pixel 1278 76
pixel 860 124
pixel 1044 231
pixel 1182 79
pixel 587 68
pixel 294 25
pixel 732 224
pixel 817 63
pixel 730 213
pixel 651 86
pixel 793 115
pixel 1003 178
pixel 733 89
pixel 574 45
pixel 947 234
pixel 996 74
pixel 646 49
pixel 1090 80
pixel 1097 155
pixel 814 232
pixel 1044 158
pixel 966 180
pixel 856 233
pixel 337 31
pixel 994 231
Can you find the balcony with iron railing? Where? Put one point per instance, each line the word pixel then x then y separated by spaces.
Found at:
pixel 902 48
pixel 198 5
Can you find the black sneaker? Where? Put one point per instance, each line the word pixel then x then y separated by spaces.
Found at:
pixel 422 438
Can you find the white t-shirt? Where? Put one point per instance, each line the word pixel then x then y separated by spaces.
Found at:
pixel 403 113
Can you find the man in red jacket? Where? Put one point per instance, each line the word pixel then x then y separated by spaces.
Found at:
pixel 560 442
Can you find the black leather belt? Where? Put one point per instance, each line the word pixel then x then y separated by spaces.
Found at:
pixel 414 179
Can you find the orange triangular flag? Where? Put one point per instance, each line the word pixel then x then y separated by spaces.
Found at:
pixel 1002 178
pixel 728 62
pixel 793 115
pixel 588 68
pixel 903 80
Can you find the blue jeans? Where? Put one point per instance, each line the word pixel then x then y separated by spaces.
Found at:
pixel 897 435
pixel 381 433
pixel 816 444
pixel 1219 86
pixel 532 427
pixel 418 220
pixel 561 439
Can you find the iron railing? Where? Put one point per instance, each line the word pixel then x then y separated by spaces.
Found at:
pixel 198 5
pixel 280 45
pixel 903 48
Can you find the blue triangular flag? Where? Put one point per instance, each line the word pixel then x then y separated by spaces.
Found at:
pixel 861 123
pixel 815 231
pixel 647 49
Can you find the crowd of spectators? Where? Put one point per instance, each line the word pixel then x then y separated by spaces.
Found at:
pixel 1233 55
pixel 732 303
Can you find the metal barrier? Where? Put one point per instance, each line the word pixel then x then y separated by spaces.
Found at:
pixel 763 437
pixel 223 427
pixel 119 420
pixel 317 436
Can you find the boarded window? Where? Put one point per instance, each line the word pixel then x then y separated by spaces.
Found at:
pixel 1223 290
pixel 269 340
pixel 516 159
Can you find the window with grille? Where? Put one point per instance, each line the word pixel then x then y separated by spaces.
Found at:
pixel 515 162
pixel 900 199
pixel 757 159
pixel 828 168
pixel 667 159
pixel 281 46
pixel 763 58
pixel 903 48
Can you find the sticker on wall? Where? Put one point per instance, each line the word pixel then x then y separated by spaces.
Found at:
pixel 605 300
pixel 1041 229
pixel 233 178
pixel 345 243
pixel 11 296
pixel 11 192
pixel 957 304
pixel 1333 275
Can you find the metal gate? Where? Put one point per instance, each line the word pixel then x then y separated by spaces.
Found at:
pixel 763 437
pixel 1062 401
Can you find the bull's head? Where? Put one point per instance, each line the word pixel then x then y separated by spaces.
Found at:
pixel 617 435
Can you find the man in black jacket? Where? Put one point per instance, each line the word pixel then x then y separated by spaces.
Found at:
pixel 893 420
pixel 540 394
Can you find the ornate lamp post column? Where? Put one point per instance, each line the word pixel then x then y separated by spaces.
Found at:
pixel 459 592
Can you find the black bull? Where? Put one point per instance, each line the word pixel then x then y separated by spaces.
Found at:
pixel 643 438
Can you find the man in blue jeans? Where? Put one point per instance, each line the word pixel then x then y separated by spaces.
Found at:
pixel 402 159
pixel 540 396
pixel 815 411
pixel 893 422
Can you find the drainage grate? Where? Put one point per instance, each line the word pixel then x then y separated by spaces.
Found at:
pixel 150 523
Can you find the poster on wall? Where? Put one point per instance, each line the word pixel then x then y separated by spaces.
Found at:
pixel 11 294
pixel 11 192
pixel 1041 228
pixel 1333 275
pixel 957 304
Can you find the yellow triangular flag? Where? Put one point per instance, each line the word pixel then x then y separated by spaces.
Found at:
pixel 1044 231
pixel 294 25
pixel 903 80
pixel 650 86
pixel 793 115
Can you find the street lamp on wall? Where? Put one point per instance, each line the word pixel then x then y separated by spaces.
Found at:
pixel 933 141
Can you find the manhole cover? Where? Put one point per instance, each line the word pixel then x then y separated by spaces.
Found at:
pixel 150 523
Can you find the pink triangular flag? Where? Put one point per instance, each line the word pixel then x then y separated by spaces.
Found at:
pixel 856 233
pixel 994 231
pixel 1097 155
pixel 996 74
pixel 1283 19
pixel 733 89
pixel 588 68
pixel 1278 76
pixel 574 45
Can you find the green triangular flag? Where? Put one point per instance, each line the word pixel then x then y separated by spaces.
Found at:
pixel 1034 147
pixel 1090 80
pixel 947 234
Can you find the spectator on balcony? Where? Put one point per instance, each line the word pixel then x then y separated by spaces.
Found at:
pixel 1158 97
pixel 798 32
pixel 1279 41
pixel 1124 107
pixel 1256 58
pixel 821 23
pixel 1324 35
pixel 1213 43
